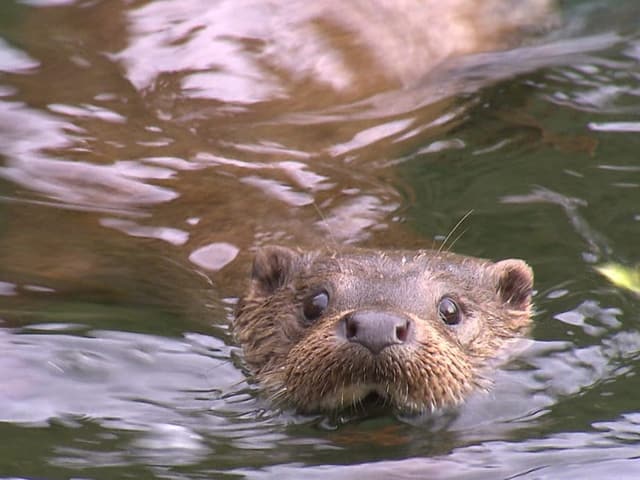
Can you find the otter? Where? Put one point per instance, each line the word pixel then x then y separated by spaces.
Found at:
pixel 322 330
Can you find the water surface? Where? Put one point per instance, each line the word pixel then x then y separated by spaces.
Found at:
pixel 147 148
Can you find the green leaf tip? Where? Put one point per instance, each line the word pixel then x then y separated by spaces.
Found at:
pixel 621 276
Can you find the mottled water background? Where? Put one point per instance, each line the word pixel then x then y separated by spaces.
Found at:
pixel 147 147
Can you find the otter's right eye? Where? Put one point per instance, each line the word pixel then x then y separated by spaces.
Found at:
pixel 449 311
pixel 315 305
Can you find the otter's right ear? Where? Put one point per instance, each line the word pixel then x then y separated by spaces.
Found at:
pixel 272 267
pixel 514 283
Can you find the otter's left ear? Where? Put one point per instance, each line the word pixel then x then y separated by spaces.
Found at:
pixel 514 282
pixel 272 268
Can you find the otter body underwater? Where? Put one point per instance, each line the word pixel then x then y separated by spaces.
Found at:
pixel 322 330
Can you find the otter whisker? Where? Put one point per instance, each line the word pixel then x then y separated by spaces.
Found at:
pixel 452 231
pixel 455 240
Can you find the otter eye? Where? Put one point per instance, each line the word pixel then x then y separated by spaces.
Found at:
pixel 449 311
pixel 315 305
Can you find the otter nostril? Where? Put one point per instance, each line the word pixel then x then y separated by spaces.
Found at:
pixel 402 332
pixel 351 326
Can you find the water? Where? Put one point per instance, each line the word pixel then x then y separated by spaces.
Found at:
pixel 148 148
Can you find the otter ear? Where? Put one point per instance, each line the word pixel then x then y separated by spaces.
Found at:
pixel 272 267
pixel 514 282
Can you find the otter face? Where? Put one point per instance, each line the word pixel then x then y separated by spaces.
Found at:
pixel 322 330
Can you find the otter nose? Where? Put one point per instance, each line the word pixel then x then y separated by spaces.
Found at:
pixel 376 330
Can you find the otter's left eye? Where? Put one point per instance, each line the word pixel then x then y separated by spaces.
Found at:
pixel 449 311
pixel 315 305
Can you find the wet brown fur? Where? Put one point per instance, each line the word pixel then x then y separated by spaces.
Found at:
pixel 311 367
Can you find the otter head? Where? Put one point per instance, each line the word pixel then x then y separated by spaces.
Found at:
pixel 322 330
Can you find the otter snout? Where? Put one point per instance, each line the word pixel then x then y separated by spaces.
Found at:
pixel 376 330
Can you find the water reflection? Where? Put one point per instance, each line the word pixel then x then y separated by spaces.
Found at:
pixel 29 133
pixel 261 72
pixel 110 374
pixel 247 51
pixel 570 455
pixel 14 60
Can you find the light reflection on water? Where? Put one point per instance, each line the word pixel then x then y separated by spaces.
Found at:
pixel 146 150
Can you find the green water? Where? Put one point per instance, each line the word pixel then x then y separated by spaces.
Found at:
pixel 143 158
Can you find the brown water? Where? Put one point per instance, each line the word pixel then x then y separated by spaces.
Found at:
pixel 146 148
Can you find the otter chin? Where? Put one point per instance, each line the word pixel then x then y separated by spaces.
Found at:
pixel 322 330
